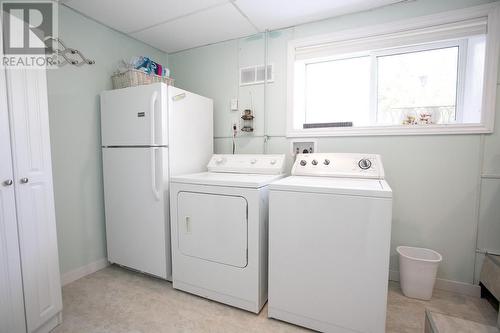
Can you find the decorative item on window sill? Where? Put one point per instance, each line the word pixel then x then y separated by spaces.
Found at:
pixel 426 118
pixel 428 115
pixel 66 55
pixel 247 117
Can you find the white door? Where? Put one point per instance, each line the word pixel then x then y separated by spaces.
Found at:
pixel 34 195
pixel 11 288
pixel 135 193
pixel 134 116
pixel 213 227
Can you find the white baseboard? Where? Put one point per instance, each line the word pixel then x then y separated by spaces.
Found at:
pixel 448 285
pixel 80 272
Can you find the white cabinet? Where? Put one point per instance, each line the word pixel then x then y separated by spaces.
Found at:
pixel 11 288
pixel 27 224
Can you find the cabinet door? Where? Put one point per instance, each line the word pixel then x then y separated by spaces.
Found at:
pixel 11 288
pixel 29 122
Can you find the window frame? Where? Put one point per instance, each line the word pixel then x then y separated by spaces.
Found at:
pixel 489 11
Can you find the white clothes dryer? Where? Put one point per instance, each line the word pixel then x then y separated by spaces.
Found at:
pixel 219 224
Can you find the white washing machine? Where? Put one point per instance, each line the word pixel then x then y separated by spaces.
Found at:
pixel 329 241
pixel 219 223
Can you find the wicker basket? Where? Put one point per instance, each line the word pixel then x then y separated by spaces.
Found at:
pixel 134 77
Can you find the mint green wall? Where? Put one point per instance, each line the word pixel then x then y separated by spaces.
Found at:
pixel 75 134
pixel 439 196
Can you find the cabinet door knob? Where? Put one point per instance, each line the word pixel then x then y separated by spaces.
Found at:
pixel 8 182
pixel 24 180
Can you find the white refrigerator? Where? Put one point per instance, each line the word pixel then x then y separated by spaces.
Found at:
pixel 149 133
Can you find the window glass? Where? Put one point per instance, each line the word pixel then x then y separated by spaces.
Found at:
pixel 418 87
pixel 338 92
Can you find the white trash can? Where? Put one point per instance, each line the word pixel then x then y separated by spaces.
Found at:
pixel 417 271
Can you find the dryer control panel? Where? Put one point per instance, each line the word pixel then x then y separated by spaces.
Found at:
pixel 339 165
pixel 248 163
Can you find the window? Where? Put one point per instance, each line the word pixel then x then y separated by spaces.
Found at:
pixel 430 79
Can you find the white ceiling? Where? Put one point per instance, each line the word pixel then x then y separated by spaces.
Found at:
pixel 174 25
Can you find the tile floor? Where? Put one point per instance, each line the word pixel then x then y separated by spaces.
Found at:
pixel 115 300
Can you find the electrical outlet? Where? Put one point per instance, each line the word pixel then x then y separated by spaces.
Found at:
pixel 234 128
pixel 303 147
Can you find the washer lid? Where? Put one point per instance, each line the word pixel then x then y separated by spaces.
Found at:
pixel 344 186
pixel 226 179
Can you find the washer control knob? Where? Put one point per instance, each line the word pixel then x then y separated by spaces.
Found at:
pixel 326 162
pixel 253 161
pixel 303 162
pixel 365 163
pixel 314 162
pixel 273 162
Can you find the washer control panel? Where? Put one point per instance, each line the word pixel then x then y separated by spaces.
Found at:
pixel 339 165
pixel 248 163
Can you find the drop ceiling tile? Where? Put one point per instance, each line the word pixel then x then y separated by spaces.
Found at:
pixel 276 14
pixel 205 27
pixel 132 15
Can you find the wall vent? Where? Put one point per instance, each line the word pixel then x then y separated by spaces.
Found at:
pixel 256 74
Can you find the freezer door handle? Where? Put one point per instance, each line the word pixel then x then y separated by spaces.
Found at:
pixel 156 191
pixel 152 103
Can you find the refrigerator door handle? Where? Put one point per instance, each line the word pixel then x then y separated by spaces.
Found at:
pixel 156 191
pixel 152 103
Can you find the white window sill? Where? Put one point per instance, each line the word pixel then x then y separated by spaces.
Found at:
pixel 390 130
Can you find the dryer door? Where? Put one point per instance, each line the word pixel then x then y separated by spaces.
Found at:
pixel 213 227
